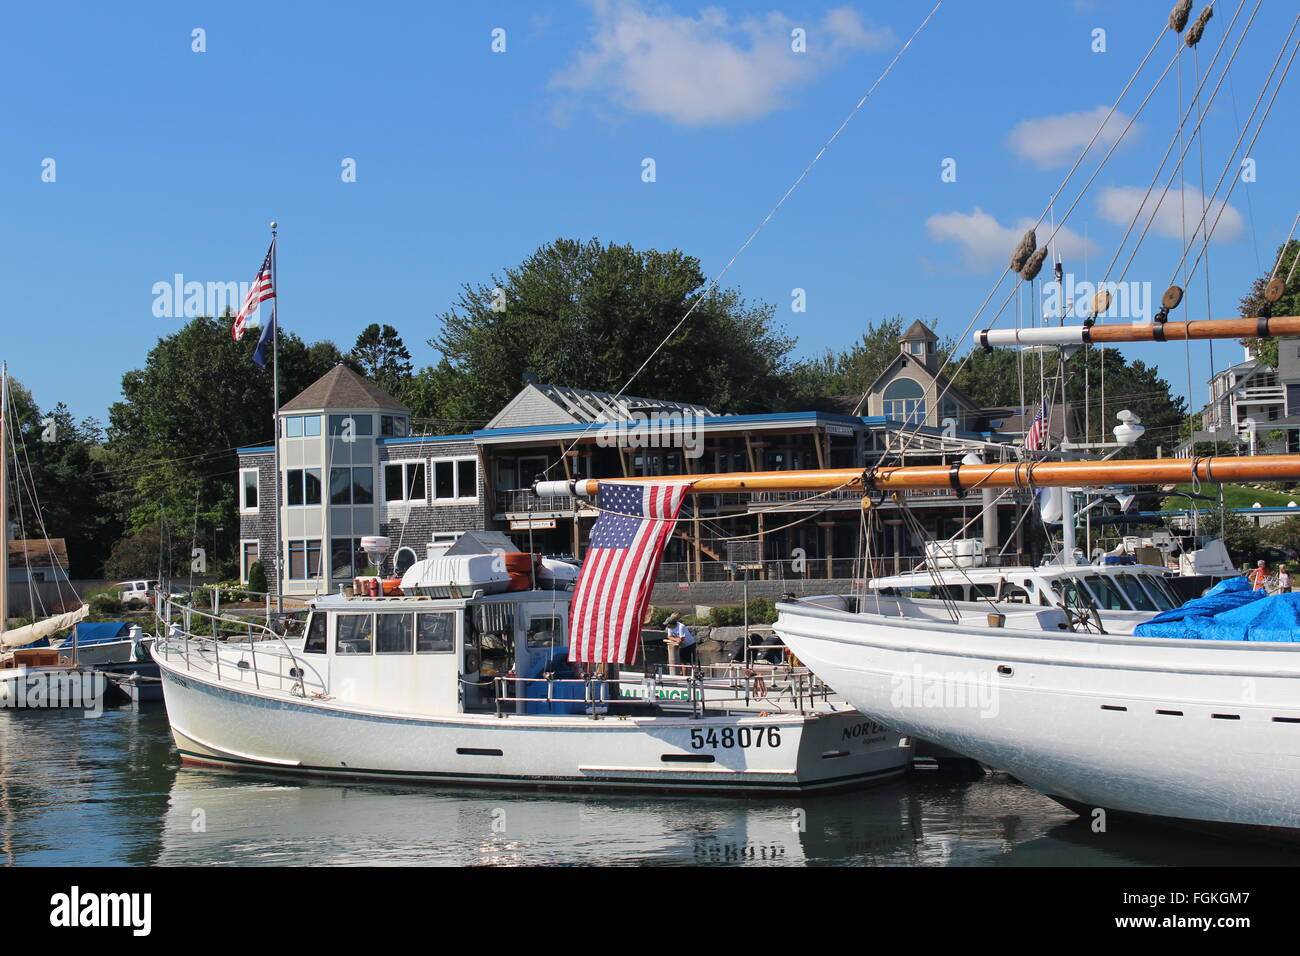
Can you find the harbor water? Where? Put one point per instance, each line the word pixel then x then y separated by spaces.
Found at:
pixel 111 791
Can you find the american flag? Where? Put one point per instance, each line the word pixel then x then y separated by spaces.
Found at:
pixel 619 571
pixel 261 291
pixel 1036 437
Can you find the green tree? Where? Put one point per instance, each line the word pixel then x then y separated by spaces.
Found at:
pixel 173 438
pixel 1254 303
pixel 55 493
pixel 380 355
pixel 588 315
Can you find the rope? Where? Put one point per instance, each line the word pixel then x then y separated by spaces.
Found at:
pixel 713 283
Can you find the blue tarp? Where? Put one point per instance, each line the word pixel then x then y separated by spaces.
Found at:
pixel 1231 611
pixel 99 632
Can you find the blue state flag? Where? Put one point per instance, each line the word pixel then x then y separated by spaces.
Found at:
pixel 263 342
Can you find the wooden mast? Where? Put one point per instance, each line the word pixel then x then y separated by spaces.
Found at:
pixel 972 477
pixel 1259 327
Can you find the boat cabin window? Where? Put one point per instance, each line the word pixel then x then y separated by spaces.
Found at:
pixel 545 633
pixel 315 643
pixel 352 634
pixel 1106 593
pixel 393 633
pixel 434 633
pixel 1160 592
pixel 1014 594
pixel 1133 588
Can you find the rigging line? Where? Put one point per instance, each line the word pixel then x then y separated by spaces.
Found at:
pixel 1282 252
pixel 1059 189
pixel 28 481
pixel 1179 163
pixel 1200 145
pixel 1073 205
pixel 1253 139
pixel 713 283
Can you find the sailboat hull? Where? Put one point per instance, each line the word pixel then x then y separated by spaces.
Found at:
pixel 1187 732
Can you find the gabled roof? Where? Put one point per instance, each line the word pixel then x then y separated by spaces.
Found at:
pixel 942 383
pixel 558 405
pixel 918 330
pixel 341 387
pixel 38 553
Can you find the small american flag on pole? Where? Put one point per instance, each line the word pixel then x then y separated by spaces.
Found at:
pixel 262 290
pixel 619 570
pixel 1036 437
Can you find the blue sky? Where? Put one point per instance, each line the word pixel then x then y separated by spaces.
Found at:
pixel 172 161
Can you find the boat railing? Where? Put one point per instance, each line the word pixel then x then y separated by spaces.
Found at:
pixel 280 669
pixel 797 689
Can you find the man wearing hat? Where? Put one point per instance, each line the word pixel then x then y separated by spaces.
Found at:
pixel 680 635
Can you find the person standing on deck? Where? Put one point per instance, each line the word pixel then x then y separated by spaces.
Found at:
pixel 1284 579
pixel 681 635
pixel 1259 577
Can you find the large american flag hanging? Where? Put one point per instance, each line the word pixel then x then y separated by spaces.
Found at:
pixel 619 570
pixel 262 290
pixel 1036 437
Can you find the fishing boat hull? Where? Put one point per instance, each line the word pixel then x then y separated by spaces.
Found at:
pixel 222 723
pixel 1199 733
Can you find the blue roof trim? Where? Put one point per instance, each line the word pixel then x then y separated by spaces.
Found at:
pixel 415 440
pixel 775 418
pixel 251 450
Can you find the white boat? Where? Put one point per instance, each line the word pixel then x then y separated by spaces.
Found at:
pixel 1189 731
pixel 34 676
pixel 452 689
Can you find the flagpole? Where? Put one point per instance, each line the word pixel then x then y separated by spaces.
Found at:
pixel 275 420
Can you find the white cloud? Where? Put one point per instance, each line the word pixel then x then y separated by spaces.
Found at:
pixel 985 242
pixel 708 69
pixel 1118 204
pixel 1057 140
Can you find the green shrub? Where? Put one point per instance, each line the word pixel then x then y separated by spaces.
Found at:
pixel 761 611
pixel 105 602
pixel 257 577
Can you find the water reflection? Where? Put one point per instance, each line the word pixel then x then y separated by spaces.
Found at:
pixel 109 791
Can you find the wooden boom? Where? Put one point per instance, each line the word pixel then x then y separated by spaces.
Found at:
pixel 1261 327
pixel 960 477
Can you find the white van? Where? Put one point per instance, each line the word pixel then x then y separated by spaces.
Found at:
pixel 137 592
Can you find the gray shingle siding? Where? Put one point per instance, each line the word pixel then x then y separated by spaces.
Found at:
pixel 261 525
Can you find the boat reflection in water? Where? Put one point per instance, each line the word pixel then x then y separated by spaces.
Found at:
pixel 220 817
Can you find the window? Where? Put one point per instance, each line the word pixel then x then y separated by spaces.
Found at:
pixel 315 643
pixel 301 426
pixel 302 486
pixel 248 552
pixel 455 478
pixel 304 559
pixel 1108 596
pixel 293 426
pixel 433 633
pixel 352 633
pixel 248 489
pixel 352 486
pixel 545 632
pixel 393 633
pixel 311 426
pixel 1135 593
pixel 345 426
pixel 344 553
pixel 404 481
pixel 392 426
pixel 905 401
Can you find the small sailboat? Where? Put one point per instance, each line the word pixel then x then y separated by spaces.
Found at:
pixel 35 676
